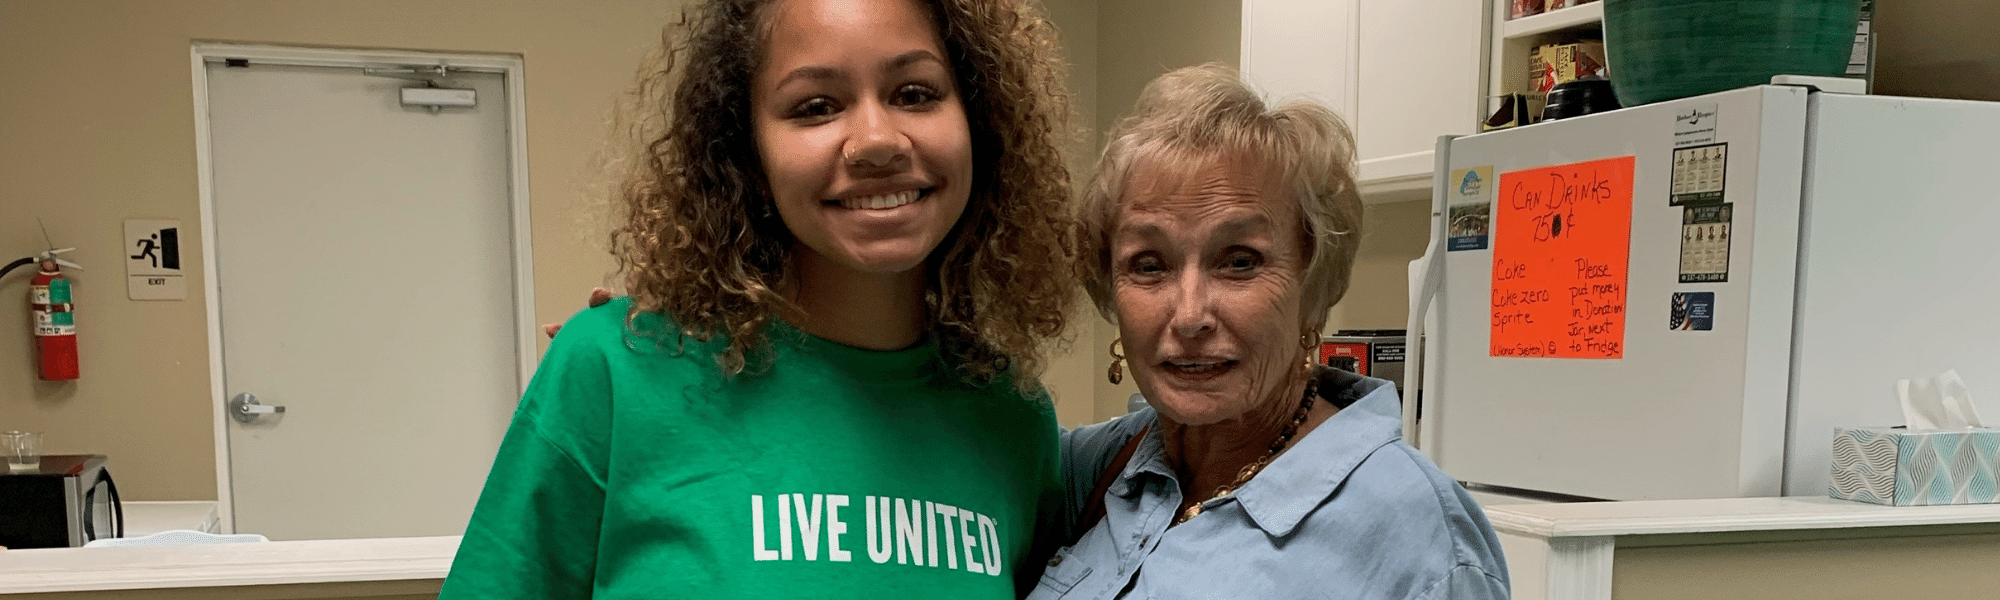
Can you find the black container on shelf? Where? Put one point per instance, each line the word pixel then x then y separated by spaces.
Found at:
pixel 1578 98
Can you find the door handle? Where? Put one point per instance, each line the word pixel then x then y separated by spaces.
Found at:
pixel 246 409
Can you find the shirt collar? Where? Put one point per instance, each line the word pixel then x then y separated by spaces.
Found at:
pixel 1149 457
pixel 1302 478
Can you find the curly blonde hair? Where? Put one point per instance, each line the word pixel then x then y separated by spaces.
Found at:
pixel 700 241
pixel 1207 112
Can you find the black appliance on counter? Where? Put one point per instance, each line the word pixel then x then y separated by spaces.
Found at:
pixel 1376 353
pixel 68 501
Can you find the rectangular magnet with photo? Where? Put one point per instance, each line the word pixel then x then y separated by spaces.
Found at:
pixel 1469 212
pixel 1699 172
pixel 1705 243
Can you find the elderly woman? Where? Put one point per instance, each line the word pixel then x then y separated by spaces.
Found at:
pixel 1218 234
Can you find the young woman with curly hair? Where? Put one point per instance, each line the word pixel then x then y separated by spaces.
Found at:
pixel 844 245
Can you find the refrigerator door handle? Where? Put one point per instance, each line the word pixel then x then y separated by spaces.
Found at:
pixel 1426 278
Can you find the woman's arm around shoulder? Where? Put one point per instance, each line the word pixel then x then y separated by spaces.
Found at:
pixel 534 532
pixel 1086 452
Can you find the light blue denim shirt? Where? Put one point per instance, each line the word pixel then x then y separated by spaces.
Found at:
pixel 1350 511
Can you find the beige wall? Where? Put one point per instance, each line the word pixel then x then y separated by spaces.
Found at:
pixel 1138 40
pixel 97 126
pixel 1937 49
pixel 1069 375
pixel 1392 235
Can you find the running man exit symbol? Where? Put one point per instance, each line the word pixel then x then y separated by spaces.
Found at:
pixel 153 260
pixel 162 248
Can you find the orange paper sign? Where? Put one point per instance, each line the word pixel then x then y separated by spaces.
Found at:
pixel 1562 237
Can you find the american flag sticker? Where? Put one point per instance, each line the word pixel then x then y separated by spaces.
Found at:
pixel 1692 311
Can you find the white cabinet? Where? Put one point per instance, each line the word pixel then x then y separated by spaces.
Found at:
pixel 1402 72
pixel 1420 76
pixel 1302 49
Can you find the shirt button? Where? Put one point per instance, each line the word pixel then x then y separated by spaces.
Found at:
pixel 1055 560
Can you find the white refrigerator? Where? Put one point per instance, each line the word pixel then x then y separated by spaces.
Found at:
pixel 1682 300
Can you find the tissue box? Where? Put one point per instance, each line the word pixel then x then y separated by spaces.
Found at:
pixel 1904 467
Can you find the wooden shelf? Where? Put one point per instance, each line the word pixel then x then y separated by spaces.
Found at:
pixel 1512 41
pixel 1582 16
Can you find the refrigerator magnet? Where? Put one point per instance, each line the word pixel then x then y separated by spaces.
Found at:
pixel 1705 243
pixel 1471 209
pixel 1692 311
pixel 1697 124
pixel 1699 172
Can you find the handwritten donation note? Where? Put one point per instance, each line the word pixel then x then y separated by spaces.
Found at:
pixel 1562 237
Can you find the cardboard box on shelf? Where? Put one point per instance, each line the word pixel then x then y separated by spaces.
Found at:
pixel 1524 8
pixel 1557 63
pixel 1514 110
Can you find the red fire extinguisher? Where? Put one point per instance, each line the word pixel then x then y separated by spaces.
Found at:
pixel 54 315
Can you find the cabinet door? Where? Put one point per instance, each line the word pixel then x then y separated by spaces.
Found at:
pixel 1419 76
pixel 1302 49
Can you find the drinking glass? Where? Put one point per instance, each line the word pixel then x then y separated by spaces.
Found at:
pixel 23 450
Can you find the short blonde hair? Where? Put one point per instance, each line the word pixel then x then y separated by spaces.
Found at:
pixel 1197 114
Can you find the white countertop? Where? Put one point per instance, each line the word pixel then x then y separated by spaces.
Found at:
pixel 1591 519
pixel 268 563
pixel 395 559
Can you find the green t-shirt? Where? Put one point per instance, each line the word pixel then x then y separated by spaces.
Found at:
pixel 634 469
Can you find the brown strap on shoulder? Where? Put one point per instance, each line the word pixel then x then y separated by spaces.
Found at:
pixel 1094 511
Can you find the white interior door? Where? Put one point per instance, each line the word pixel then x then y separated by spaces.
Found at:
pixel 364 262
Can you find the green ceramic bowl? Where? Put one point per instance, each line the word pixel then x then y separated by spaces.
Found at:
pixel 1667 49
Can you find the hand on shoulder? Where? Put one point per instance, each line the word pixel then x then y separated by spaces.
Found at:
pixel 598 296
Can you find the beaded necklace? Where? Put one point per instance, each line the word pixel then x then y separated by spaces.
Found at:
pixel 1250 470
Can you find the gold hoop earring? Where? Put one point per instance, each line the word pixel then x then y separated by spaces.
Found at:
pixel 1117 371
pixel 1306 341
